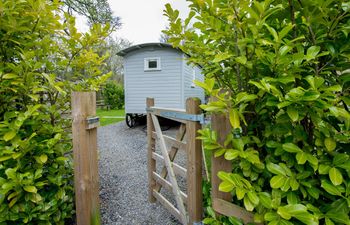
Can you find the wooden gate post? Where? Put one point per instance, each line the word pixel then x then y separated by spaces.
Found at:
pixel 194 164
pixel 222 201
pixel 151 148
pixel 85 159
pixel 221 124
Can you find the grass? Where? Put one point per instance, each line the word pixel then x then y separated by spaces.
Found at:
pixel 104 114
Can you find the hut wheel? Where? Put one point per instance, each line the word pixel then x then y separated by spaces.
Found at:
pixel 130 120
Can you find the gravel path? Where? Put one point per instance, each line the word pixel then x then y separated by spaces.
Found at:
pixel 123 178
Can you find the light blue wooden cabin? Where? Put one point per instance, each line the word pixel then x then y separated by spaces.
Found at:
pixel 159 71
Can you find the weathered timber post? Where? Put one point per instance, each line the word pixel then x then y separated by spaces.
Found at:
pixel 222 201
pixel 151 148
pixel 221 125
pixel 194 164
pixel 86 180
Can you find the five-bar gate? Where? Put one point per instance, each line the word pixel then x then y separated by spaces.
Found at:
pixel 188 208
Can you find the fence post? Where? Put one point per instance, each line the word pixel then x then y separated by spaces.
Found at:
pixel 194 164
pixel 85 159
pixel 151 148
pixel 220 124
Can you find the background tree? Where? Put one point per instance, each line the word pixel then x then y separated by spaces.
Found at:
pixel 114 62
pixel 164 38
pixel 286 66
pixel 99 12
pixel 40 64
pixel 96 11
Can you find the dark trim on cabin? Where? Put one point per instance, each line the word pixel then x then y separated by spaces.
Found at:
pixel 126 51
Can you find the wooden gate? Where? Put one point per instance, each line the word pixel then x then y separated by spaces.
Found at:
pixel 190 124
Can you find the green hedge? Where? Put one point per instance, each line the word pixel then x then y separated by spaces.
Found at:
pixel 281 70
pixel 39 65
pixel 113 95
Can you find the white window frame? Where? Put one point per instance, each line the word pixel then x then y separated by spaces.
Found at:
pixel 146 60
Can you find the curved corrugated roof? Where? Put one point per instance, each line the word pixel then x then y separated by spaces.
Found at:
pixel 139 46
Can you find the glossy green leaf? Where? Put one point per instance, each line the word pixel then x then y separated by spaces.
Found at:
pixel 313 161
pixel 330 188
pixel 288 211
pixel 240 192
pixel 231 154
pixel 345 166
pixel 218 152
pixel 338 216
pixel 284 50
pixel 4 158
pixel 31 189
pixel 323 169
pixel 12 202
pixel 290 147
pixel 225 176
pixel 35 197
pixel 292 198
pixel 275 169
pixel 253 197
pixel 245 97
pixel 11 173
pixel 241 59
pixel 238 144
pixel 330 144
pixel 335 176
pixel 221 56
pixel 9 135
pixel 286 184
pixel 314 192
pixel 235 221
pixel 265 199
pixel 277 181
pixel 310 96
pixel 270 216
pixel 340 159
pixel 294 184
pixel 43 158
pixel 249 206
pixel 301 157
pixel 312 52
pixel 293 113
pixel 226 186
pixel 9 76
pixel 234 119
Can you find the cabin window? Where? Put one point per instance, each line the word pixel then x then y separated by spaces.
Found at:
pixel 152 64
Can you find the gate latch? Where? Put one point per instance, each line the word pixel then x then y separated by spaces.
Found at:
pixel 92 122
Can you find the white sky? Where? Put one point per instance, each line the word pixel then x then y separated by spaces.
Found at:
pixel 142 20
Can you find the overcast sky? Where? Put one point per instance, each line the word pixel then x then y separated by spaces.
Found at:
pixel 142 20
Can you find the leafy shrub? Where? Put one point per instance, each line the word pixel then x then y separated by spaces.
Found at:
pixel 280 70
pixel 113 95
pixel 39 65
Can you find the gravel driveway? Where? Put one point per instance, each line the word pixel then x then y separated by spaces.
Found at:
pixel 123 178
